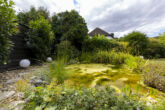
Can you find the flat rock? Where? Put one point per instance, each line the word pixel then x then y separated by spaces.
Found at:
pixel 37 81
pixel 22 74
pixel 17 105
pixel 7 94
pixel 4 109
pixel 11 81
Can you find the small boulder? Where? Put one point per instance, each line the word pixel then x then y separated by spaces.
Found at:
pixel 37 81
pixel 11 81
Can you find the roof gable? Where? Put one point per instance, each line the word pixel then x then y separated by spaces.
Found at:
pixel 98 31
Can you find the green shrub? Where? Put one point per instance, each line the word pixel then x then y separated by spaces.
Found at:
pixel 137 41
pixel 154 76
pixel 161 106
pixel 65 48
pixel 101 43
pixel 7 28
pixel 86 57
pixel 55 98
pixel 115 58
pixel 40 38
pixel 57 70
pixel 155 49
pixel 135 63
pixel 33 14
pixel 162 38
pixel 109 57
pixel 69 26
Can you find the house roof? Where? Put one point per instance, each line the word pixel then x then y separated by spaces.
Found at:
pixel 98 31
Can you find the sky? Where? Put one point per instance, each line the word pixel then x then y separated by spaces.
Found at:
pixel 118 16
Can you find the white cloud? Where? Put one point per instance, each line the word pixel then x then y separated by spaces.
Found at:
pixel 51 5
pixel 118 16
pixel 124 16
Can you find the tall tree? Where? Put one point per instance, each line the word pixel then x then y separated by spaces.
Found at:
pixel 70 26
pixel 7 28
pixel 32 14
pixel 40 38
pixel 35 27
pixel 137 41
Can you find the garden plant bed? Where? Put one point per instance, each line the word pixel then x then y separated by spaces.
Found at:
pixel 9 95
pixel 83 75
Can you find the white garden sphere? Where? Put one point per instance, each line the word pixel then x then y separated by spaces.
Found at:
pixel 24 63
pixel 141 57
pixel 49 59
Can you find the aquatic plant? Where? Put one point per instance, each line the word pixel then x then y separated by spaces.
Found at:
pixel 57 70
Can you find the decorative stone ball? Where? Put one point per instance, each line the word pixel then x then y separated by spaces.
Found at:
pixel 49 59
pixel 141 57
pixel 24 63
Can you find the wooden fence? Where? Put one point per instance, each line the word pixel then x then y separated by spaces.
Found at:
pixel 19 51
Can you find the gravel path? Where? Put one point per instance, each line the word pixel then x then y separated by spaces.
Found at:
pixel 9 97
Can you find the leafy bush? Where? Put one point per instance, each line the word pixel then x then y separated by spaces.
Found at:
pixel 65 48
pixel 161 106
pixel 101 43
pixel 110 57
pixel 56 98
pixel 154 76
pixel 69 26
pixel 162 38
pixel 137 41
pixel 33 14
pixel 57 70
pixel 7 28
pixel 40 38
pixel 135 63
pixel 86 57
pixel 155 49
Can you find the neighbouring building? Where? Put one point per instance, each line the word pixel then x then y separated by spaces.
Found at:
pixel 98 31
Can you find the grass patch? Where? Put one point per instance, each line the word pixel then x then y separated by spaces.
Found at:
pixel 57 70
pixel 22 86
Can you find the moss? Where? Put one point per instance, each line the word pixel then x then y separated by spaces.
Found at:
pixel 82 79
pixel 90 75
pixel 102 81
pixel 117 67
pixel 89 68
pixel 98 74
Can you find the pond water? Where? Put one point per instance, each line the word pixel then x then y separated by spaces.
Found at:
pixel 118 77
